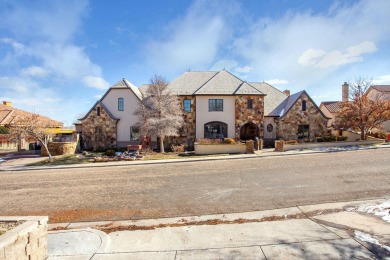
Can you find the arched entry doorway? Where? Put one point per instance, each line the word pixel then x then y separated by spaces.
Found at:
pixel 215 130
pixel 249 131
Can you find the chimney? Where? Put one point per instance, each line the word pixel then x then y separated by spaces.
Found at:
pixel 287 92
pixel 345 92
pixel 7 103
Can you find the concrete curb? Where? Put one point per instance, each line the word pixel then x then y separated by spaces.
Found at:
pixel 189 160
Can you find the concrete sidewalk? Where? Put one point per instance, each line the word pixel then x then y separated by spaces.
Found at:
pixel 21 165
pixel 349 230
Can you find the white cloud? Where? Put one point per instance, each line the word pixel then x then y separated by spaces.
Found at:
pixel 382 80
pixel 192 41
pixel 245 69
pixel 95 82
pixel 323 59
pixel 224 64
pixel 35 71
pixel 17 46
pixel 277 81
pixel 274 46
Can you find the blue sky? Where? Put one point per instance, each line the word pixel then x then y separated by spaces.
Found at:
pixel 57 58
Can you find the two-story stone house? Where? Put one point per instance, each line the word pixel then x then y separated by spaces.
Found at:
pixel 216 104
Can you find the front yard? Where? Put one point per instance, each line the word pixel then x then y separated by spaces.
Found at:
pixel 82 159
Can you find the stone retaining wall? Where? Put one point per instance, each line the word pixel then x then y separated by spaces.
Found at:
pixel 60 148
pixel 26 241
pixel 220 148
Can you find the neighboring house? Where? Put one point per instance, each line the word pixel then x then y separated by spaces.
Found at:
pixel 111 120
pixel 332 108
pixel 216 104
pixel 10 116
pixel 380 92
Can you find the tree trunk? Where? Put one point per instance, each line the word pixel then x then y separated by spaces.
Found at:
pixel 162 144
pixel 362 134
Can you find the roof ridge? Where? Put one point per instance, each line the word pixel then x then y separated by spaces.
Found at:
pixel 206 82
pixel 132 90
pixel 270 86
pixel 245 82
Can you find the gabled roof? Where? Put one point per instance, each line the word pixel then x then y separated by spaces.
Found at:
pixel 289 102
pixel 283 108
pixel 125 84
pixel 211 83
pixel 274 96
pixel 9 115
pixel 381 88
pixel 189 82
pixel 332 106
pixel 103 106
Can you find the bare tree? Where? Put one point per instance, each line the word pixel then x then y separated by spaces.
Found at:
pixel 33 127
pixel 159 112
pixel 363 112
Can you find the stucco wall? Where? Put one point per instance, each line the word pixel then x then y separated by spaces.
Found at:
pixel 127 117
pixel 288 125
pixel 328 114
pixel 226 116
pixel 269 134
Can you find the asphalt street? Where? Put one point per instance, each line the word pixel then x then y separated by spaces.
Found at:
pixel 195 188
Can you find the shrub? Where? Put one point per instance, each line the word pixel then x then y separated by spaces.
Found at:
pixel 341 138
pixel 330 138
pixel 320 139
pixel 178 148
pixel 229 141
pixel 110 152
pixel 208 141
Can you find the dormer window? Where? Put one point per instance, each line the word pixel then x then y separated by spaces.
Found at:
pixel 303 105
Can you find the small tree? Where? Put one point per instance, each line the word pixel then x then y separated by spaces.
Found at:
pixel 34 127
pixel 159 112
pixel 363 113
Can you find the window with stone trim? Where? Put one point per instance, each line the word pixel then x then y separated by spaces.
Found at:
pixel 187 105
pixel 250 103
pixel 215 104
pixel 134 133
pixel 303 132
pixel 98 133
pixel 98 111
pixel 303 105
pixel 120 104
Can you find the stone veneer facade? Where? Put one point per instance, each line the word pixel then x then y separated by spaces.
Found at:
pixel 287 126
pixel 107 138
pixel 244 115
pixel 188 132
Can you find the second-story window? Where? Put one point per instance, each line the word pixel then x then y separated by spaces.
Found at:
pixel 120 104
pixel 215 104
pixel 303 105
pixel 250 103
pixel 98 111
pixel 187 105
